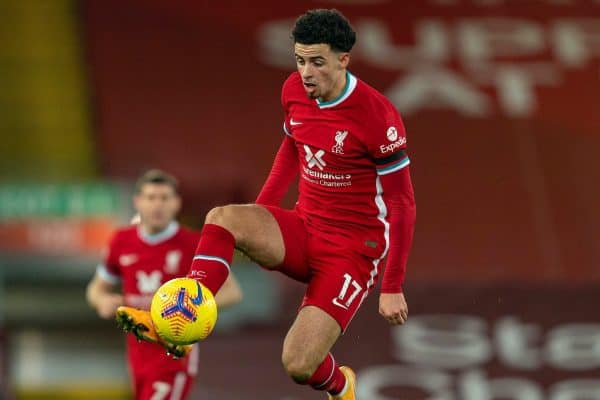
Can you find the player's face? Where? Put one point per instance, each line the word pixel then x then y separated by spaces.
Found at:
pixel 323 70
pixel 157 205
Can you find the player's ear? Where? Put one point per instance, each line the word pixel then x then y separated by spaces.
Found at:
pixel 344 59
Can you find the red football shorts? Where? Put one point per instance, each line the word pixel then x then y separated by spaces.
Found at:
pixel 157 375
pixel 339 278
pixel 174 385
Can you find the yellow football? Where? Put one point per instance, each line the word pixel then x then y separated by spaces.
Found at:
pixel 183 311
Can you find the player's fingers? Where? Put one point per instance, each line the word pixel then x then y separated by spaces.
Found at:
pixel 395 319
pixel 403 316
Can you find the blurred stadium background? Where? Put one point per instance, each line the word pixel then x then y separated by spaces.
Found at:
pixel 501 101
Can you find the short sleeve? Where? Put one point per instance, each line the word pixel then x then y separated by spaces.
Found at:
pixel 109 270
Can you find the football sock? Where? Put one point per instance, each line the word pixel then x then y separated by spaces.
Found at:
pixel 328 377
pixel 212 260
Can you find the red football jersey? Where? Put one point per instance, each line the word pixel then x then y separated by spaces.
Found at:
pixel 343 147
pixel 141 263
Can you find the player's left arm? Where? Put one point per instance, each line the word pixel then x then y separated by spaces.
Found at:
pixel 399 196
pixel 387 146
pixel 283 172
pixel 100 295
pixel 101 289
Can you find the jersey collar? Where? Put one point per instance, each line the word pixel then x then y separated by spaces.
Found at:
pixel 155 238
pixel 348 89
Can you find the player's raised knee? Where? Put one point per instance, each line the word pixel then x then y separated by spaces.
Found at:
pixel 226 217
pixel 236 218
pixel 217 216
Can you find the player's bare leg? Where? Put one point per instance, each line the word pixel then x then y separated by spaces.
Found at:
pixel 249 228
pixel 139 323
pixel 255 230
pixel 308 341
pixel 307 345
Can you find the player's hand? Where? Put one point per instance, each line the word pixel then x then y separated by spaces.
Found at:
pixel 107 305
pixel 393 307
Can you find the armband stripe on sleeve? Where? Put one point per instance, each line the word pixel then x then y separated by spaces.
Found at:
pixel 394 167
pixel 386 160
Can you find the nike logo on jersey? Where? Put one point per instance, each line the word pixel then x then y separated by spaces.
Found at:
pixel 127 259
pixel 294 123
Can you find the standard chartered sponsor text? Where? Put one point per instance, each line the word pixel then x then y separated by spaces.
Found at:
pixel 326 178
pixel 323 182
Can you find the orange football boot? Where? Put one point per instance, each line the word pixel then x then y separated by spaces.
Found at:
pixel 138 322
pixel 348 394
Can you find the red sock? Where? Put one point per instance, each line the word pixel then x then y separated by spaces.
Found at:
pixel 212 261
pixel 328 377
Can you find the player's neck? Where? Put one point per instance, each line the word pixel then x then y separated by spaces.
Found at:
pixel 155 230
pixel 153 238
pixel 338 88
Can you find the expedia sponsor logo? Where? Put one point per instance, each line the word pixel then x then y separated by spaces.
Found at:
pixel 392 134
pixel 390 148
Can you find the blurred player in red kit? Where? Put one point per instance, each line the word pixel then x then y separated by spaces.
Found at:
pixel 355 205
pixel 140 258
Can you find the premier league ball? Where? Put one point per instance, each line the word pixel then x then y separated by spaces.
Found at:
pixel 183 311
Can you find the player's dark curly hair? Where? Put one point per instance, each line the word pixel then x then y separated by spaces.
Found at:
pixel 324 26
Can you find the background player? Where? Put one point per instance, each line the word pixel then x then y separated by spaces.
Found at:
pixel 141 257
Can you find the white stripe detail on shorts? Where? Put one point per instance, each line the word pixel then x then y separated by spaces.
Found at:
pixel 330 374
pixel 382 216
pixel 386 235
pixel 212 258
pixel 285 130
pixel 178 386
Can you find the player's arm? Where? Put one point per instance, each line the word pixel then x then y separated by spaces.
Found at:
pixel 100 295
pixel 230 293
pixel 399 198
pixel 283 172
